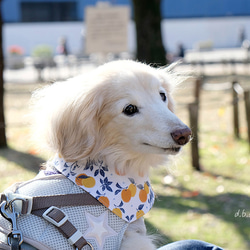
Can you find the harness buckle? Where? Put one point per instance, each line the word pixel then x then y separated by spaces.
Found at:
pixel 89 244
pixel 52 215
pixel 8 212
pixel 20 200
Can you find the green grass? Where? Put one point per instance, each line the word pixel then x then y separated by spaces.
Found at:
pixel 203 205
pixel 189 204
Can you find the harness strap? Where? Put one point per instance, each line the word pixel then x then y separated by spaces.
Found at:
pixel 44 202
pixel 2 198
pixel 15 244
pixel 47 207
pixel 58 218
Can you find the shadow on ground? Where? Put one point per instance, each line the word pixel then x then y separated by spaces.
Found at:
pixel 230 207
pixel 25 160
pixel 161 239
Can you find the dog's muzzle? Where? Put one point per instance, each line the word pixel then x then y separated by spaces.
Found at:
pixel 182 136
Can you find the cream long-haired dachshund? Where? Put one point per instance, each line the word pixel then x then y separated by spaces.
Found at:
pixel 107 128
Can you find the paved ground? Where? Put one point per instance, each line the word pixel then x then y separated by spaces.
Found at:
pixel 30 74
pixel 218 55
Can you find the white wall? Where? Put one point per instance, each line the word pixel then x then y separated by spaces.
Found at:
pixel 29 35
pixel 223 32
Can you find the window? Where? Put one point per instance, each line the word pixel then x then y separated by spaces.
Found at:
pixel 48 11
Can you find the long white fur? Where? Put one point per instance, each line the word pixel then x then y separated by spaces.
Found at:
pixel 83 118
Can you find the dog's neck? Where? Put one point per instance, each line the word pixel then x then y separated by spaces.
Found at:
pixel 129 197
pixel 130 163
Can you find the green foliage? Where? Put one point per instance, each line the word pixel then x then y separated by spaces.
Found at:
pixel 42 51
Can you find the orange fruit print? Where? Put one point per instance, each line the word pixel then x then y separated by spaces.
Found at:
pixel 104 200
pixel 84 180
pixel 126 195
pixel 143 195
pixel 117 211
pixel 132 188
pixel 139 214
pixel 146 187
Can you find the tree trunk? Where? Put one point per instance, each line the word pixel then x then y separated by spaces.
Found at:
pixel 3 142
pixel 147 15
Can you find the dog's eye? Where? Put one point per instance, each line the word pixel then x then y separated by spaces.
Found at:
pixel 130 109
pixel 163 97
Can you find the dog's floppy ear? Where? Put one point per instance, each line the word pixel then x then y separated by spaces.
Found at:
pixel 66 118
pixel 76 129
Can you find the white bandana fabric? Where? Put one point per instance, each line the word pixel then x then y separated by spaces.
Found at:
pixel 129 198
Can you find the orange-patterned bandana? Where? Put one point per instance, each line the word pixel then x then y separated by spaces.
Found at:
pixel 129 198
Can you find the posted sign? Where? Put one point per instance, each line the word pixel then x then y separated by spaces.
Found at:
pixel 107 29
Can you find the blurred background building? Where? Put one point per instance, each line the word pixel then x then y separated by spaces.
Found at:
pixel 191 24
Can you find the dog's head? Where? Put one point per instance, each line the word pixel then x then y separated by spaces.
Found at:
pixel 122 111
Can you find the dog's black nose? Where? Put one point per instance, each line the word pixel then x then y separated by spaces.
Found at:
pixel 182 136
